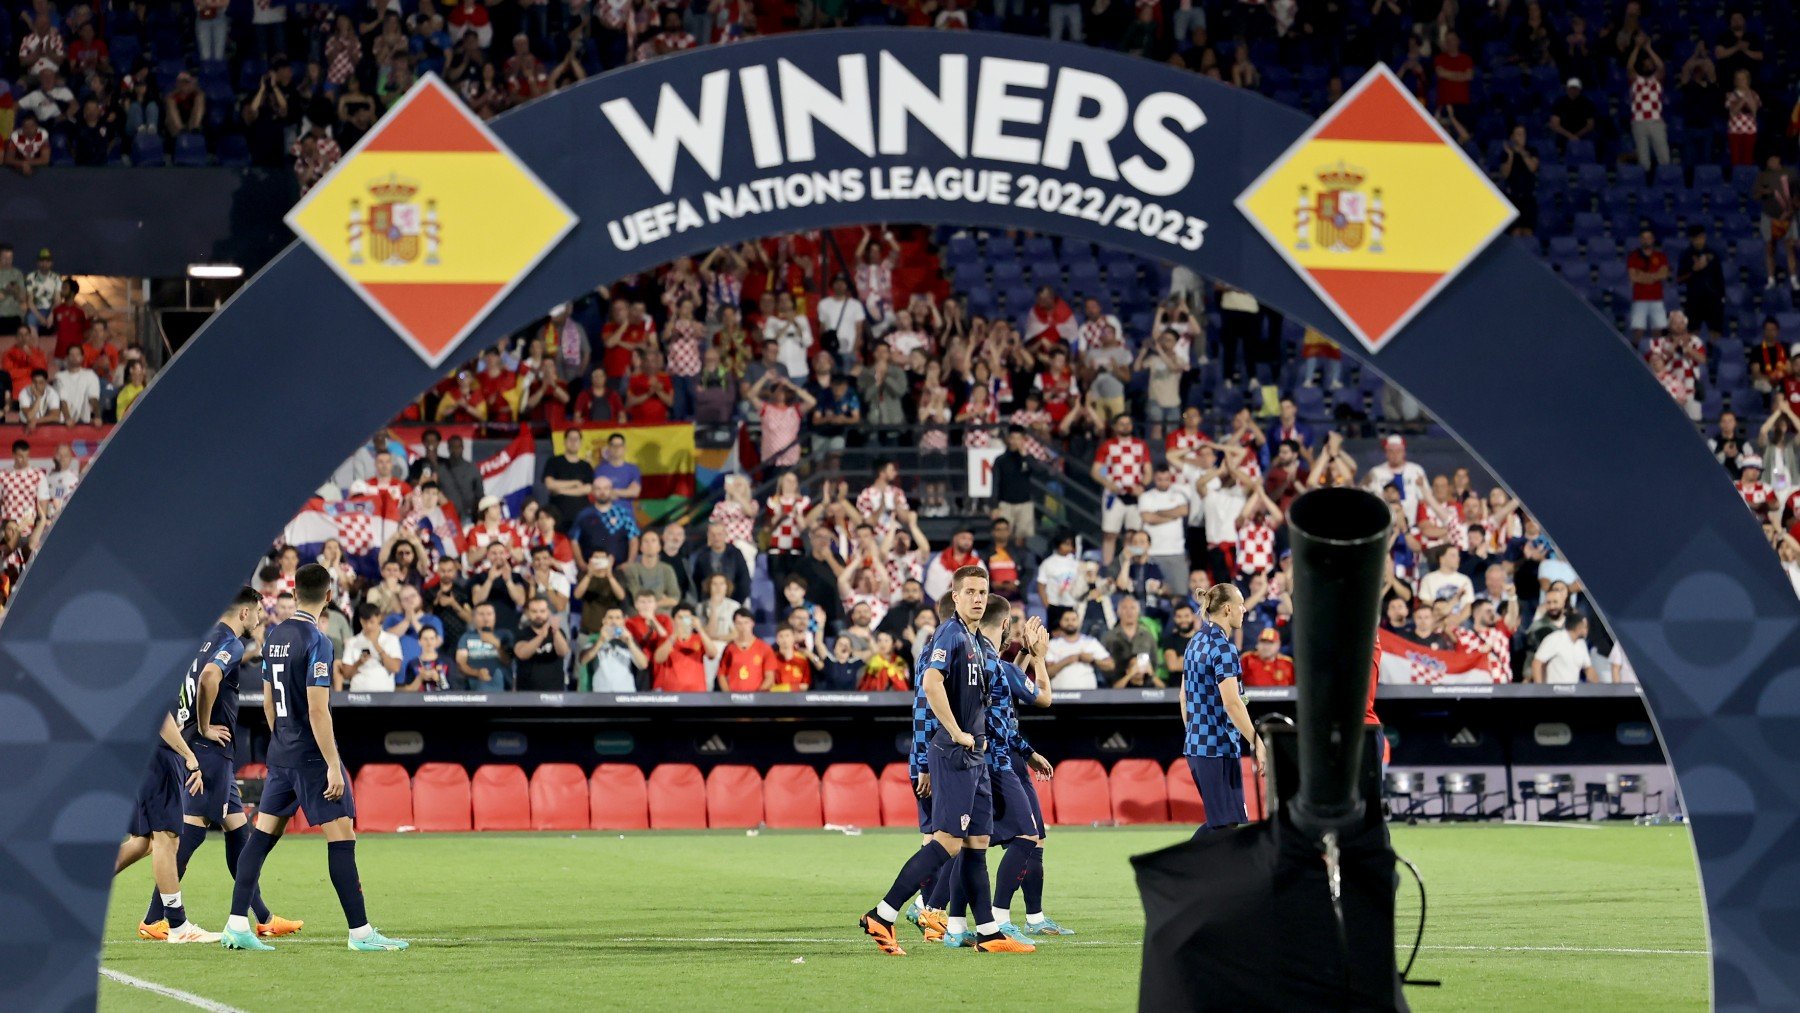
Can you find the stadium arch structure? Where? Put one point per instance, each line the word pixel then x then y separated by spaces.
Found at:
pixel 296 369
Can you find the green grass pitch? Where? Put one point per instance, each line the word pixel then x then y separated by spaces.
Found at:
pixel 1521 918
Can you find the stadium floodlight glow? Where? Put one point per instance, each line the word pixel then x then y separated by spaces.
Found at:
pixel 214 271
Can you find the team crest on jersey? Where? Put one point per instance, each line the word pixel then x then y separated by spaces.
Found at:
pixel 321 670
pixel 222 659
pixel 965 821
pixel 397 228
pixel 1343 217
pixel 939 655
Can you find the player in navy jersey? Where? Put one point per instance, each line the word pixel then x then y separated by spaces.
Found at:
pixel 304 770
pixel 962 809
pixel 1213 711
pixel 206 710
pixel 922 911
pixel 156 823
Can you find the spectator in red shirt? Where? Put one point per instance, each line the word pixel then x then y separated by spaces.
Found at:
pixel 597 402
pixel 25 357
pixel 69 320
pixel 679 661
pixel 1267 666
pixel 496 382
pixel 27 148
pixel 1648 268
pixel 747 665
pixel 793 666
pixel 1455 70
pixel 100 354
pixel 649 392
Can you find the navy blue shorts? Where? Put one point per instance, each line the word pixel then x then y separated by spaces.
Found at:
pixel 962 796
pixel 1015 806
pixel 924 804
pixel 158 806
pixel 219 769
pixel 1221 783
pixel 303 788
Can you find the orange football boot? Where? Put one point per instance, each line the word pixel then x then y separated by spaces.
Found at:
pixel 278 926
pixel 1004 945
pixel 882 934
pixel 933 924
pixel 158 930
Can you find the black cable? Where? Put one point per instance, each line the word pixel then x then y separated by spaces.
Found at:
pixel 1419 938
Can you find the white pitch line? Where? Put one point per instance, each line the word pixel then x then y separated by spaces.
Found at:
pixel 1549 823
pixel 1621 950
pixel 199 1002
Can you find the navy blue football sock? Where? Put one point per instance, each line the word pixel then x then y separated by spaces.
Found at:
pixel 249 870
pixel 176 913
pixel 939 897
pixel 191 839
pixel 975 885
pixel 347 884
pixel 1013 867
pixel 1033 885
pixel 234 848
pixel 956 899
pixel 924 862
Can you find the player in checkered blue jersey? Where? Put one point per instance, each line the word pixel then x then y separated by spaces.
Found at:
pixel 1213 711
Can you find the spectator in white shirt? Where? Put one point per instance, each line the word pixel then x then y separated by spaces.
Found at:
pixel 1164 511
pixel 1059 582
pixel 1074 661
pixel 1414 486
pixel 1562 658
pixel 841 315
pixel 79 389
pixel 1620 665
pixel 1446 581
pixel 371 658
pixel 39 404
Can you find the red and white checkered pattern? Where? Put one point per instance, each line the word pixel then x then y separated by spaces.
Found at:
pixel 1646 99
pixel 1026 419
pixel 684 347
pixel 1742 122
pixel 785 515
pixel 875 284
pixel 902 567
pixel 1126 462
pixel 477 539
pixel 780 428
pixel 20 491
pixel 1184 441
pixel 1758 497
pixel 1255 548
pixel 878 606
pixel 738 524
pixel 356 531
pixel 1494 647
pixel 980 437
pixel 1445 515
pixel 881 506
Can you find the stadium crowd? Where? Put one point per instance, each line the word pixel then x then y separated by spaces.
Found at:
pixel 1204 412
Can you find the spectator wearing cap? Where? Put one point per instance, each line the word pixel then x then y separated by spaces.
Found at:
pixel 1702 280
pixel 1572 117
pixel 1648 269
pixel 1397 471
pixel 1757 496
pixel 1267 666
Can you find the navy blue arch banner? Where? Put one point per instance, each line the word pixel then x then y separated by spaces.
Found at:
pixel 297 370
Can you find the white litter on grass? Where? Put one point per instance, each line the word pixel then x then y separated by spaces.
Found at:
pixel 750 833
pixel 407 829
pixel 847 829
pixel 798 960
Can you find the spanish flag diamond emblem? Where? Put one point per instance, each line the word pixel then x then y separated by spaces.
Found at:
pixel 1376 208
pixel 431 219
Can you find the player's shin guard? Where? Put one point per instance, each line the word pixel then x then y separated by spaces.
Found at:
pixel 249 871
pixel 191 839
pixel 923 863
pixel 1033 886
pixel 346 882
pixel 1013 868
pixel 235 841
pixel 975 888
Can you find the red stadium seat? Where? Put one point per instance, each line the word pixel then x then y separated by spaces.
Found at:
pixel 618 798
pixel 734 797
pixel 791 797
pixel 1140 792
pixel 441 797
pixel 1184 799
pixel 850 795
pixel 297 824
pixel 1082 796
pixel 898 807
pixel 383 798
pixel 1253 791
pixel 1046 793
pixel 677 797
pixel 501 797
pixel 252 772
pixel 559 797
